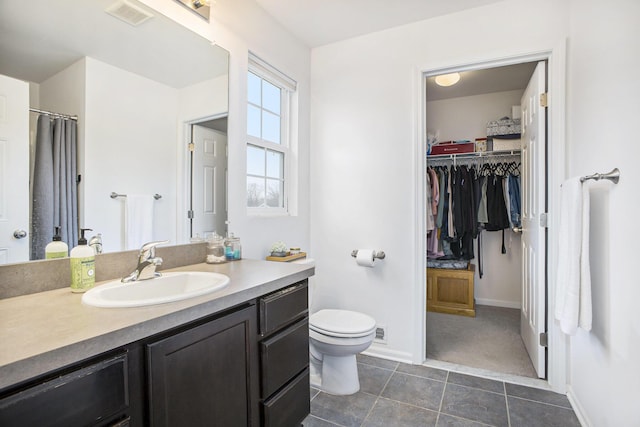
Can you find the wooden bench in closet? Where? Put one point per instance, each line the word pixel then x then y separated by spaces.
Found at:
pixel 451 291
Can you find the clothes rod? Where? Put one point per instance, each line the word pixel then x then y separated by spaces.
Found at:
pixel 473 158
pixel 473 155
pixel 51 113
pixel 613 176
pixel 115 195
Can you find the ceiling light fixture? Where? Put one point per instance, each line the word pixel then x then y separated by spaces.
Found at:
pixel 447 79
pixel 201 7
pixel 199 3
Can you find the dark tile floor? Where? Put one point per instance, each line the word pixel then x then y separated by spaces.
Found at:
pixel 397 394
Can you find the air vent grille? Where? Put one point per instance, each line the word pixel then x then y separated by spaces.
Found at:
pixel 129 13
pixel 381 334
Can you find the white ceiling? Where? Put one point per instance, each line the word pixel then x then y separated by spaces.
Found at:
pixel 319 22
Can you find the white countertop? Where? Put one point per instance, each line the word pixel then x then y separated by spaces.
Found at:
pixel 49 330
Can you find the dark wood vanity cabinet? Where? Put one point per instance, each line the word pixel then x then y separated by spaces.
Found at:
pixel 284 356
pixel 206 375
pixel 245 366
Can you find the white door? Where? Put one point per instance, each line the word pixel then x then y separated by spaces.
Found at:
pixel 533 313
pixel 209 181
pixel 14 170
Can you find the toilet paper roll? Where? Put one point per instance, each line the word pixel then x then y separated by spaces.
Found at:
pixel 364 257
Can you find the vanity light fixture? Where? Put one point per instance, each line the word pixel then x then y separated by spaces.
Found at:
pixel 201 7
pixel 447 79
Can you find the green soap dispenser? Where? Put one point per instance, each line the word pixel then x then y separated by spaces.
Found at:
pixel 83 265
pixel 57 248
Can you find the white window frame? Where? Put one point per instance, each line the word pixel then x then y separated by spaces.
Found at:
pixel 287 88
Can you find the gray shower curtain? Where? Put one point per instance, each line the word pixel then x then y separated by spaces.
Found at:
pixel 55 191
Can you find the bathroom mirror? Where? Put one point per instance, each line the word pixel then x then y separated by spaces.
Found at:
pixel 139 83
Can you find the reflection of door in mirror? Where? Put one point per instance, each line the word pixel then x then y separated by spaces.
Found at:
pixel 208 177
pixel 14 177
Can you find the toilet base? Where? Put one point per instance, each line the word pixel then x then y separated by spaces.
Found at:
pixel 336 375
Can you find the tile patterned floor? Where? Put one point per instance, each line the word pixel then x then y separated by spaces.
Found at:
pixel 396 394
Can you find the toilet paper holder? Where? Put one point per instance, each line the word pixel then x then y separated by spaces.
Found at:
pixel 376 254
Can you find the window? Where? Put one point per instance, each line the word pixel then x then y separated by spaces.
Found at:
pixel 269 95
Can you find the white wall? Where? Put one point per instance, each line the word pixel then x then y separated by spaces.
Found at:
pixel 466 118
pixel 365 148
pixel 130 148
pixel 603 93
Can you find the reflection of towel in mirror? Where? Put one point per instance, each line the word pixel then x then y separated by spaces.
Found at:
pixel 573 286
pixel 138 220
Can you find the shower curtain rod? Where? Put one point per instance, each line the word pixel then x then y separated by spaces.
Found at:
pixel 51 113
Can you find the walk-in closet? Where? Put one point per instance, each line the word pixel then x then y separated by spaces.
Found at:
pixel 473 210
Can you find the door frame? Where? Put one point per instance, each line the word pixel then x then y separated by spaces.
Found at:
pixel 557 364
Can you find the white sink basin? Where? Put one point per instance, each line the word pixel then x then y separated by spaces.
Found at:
pixel 170 287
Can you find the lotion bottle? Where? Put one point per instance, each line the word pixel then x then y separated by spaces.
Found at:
pixel 83 265
pixel 57 248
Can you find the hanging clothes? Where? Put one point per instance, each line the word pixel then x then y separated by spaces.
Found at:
pixel 497 217
pixel 433 191
pixel 466 200
pixel 515 201
pixel 431 222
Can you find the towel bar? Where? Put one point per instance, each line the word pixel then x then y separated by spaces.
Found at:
pixel 114 195
pixel 613 176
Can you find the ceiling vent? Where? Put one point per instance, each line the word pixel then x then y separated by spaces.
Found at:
pixel 129 13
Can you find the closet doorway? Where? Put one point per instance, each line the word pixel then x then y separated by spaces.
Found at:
pixel 508 286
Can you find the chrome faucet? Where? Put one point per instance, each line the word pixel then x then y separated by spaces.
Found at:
pixel 96 243
pixel 147 263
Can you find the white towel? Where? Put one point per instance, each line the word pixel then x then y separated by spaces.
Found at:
pixel 573 286
pixel 138 220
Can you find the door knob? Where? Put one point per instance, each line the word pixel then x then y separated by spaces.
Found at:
pixel 19 234
pixel 517 229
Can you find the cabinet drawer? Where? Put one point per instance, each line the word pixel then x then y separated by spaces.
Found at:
pixel 284 355
pixel 289 406
pixel 88 396
pixel 280 308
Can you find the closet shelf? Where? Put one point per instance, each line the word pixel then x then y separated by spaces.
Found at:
pixel 475 154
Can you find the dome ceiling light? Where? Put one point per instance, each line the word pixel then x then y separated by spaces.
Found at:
pixel 447 79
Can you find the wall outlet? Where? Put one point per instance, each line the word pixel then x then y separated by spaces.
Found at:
pixel 381 334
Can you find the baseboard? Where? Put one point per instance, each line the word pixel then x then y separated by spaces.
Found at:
pixel 577 408
pixel 498 303
pixel 385 353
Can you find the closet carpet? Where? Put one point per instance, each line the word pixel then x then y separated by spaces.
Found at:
pixel 491 340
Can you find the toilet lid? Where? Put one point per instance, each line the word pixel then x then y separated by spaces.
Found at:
pixel 341 323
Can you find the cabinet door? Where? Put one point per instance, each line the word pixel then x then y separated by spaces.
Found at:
pixel 207 375
pixel 92 395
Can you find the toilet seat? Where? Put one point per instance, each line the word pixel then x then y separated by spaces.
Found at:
pixel 342 323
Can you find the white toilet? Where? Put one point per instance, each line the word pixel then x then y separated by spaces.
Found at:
pixel 335 337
